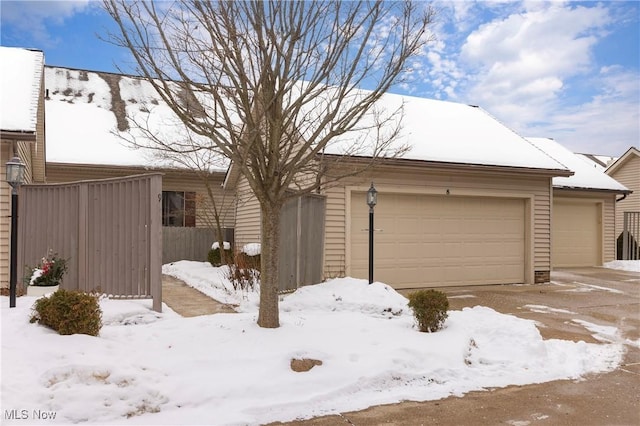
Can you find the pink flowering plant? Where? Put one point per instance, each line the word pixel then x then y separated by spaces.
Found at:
pixel 49 272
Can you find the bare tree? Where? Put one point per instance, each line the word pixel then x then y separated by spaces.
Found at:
pixel 275 87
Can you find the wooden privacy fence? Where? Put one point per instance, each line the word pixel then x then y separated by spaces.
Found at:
pixel 185 243
pixel 301 242
pixel 188 243
pixel 109 230
pixel 631 236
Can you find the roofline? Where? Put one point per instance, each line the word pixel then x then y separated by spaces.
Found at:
pixel 128 167
pixel 623 158
pixel 18 135
pixel 458 166
pixel 62 184
pixel 579 188
pixel 594 158
pixel 96 71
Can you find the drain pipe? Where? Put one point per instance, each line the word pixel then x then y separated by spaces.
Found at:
pixel 622 198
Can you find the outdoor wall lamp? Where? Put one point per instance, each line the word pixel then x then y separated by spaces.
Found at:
pixel 15 178
pixel 372 200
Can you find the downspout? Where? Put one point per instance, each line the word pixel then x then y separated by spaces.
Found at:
pixel 622 198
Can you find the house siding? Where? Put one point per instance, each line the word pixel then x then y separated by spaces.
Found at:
pixel 247 228
pixel 627 174
pixel 5 220
pixel 387 178
pixel 25 151
pixel 38 150
pixel 608 209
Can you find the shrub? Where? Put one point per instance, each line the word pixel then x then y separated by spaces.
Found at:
pixel 69 312
pixel 429 308
pixel 214 257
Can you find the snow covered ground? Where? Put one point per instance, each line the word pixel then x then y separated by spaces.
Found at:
pixel 624 265
pixel 150 368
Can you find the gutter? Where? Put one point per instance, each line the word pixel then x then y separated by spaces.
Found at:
pixel 453 166
pixel 624 192
pixel 18 135
pixel 623 197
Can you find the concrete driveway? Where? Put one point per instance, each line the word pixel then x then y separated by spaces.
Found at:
pixel 571 307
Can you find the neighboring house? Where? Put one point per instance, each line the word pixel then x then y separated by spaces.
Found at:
pixel 583 212
pixel 626 170
pixel 470 204
pixel 89 112
pixel 21 130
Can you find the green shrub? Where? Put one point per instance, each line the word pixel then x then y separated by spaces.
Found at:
pixel 429 308
pixel 69 312
pixel 215 259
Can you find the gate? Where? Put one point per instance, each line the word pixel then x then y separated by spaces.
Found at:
pixel 301 242
pixel 109 230
pixel 630 235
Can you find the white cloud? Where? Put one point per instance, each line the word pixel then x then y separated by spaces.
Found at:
pixel 608 124
pixel 33 16
pixel 524 64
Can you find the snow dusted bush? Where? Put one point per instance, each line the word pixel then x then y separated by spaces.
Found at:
pixel 69 312
pixel 429 308
pixel 215 258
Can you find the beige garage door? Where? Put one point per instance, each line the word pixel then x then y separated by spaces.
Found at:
pixel 576 234
pixel 436 241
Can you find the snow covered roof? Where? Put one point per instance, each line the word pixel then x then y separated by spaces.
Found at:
pixel 21 77
pixel 586 176
pixel 457 133
pixel 599 162
pixel 89 113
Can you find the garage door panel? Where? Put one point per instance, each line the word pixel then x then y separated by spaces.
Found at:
pixel 429 241
pixel 576 234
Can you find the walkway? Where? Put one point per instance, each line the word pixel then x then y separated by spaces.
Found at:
pixel 188 301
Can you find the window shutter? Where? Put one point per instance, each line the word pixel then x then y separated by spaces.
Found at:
pixel 190 209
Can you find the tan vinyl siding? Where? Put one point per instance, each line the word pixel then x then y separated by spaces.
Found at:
pixel 335 232
pixel 171 181
pixel 38 149
pixel 247 228
pixel 24 152
pixel 535 189
pixel 628 174
pixel 5 211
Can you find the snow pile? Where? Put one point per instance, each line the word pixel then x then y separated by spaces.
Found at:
pixel 251 249
pixel 150 368
pixel 225 244
pixel 624 265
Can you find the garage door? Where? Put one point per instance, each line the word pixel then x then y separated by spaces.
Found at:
pixel 436 241
pixel 576 234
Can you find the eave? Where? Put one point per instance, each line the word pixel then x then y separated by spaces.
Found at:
pixel 583 189
pixel 18 135
pixel 454 166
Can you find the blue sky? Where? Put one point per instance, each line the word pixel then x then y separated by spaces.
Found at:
pixel 565 70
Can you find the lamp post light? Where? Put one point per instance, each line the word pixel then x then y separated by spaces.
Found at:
pixel 372 200
pixel 15 178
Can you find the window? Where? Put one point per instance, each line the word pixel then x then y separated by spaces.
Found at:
pixel 178 208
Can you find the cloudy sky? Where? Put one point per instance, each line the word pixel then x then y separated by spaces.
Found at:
pixel 564 70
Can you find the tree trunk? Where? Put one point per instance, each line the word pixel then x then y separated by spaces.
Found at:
pixel 268 316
